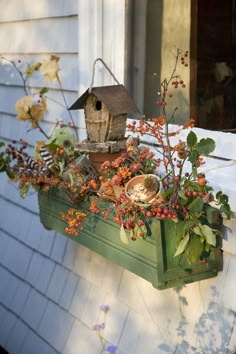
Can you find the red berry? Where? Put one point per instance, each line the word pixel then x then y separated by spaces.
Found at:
pixel 176 178
pixel 188 194
pixel 140 223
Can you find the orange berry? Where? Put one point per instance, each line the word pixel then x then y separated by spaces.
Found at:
pixel 201 181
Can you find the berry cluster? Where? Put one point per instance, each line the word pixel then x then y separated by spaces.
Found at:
pixel 129 164
pixel 74 219
pixel 183 58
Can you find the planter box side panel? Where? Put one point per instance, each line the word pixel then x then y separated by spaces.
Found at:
pixel 102 237
pixel 176 271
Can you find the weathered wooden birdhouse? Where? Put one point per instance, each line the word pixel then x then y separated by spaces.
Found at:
pixel 106 110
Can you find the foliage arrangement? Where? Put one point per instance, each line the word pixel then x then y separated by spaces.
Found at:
pixel 183 193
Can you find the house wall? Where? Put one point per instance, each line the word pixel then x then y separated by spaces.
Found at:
pixel 50 287
pixel 176 34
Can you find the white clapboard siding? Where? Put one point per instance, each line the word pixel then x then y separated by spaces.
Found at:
pixel 30 33
pixel 13 129
pixel 106 19
pixel 15 10
pixel 57 34
pixel 50 287
pixel 68 74
pixel 56 104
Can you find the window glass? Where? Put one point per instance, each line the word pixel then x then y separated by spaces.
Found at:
pixel 208 30
pixel 214 33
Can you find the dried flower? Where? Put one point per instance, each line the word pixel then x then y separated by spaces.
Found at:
pixel 31 108
pixel 50 68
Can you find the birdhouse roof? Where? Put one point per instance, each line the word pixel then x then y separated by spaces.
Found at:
pixel 115 98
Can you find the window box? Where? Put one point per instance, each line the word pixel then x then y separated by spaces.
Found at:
pixel 150 258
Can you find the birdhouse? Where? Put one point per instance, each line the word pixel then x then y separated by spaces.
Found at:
pixel 106 110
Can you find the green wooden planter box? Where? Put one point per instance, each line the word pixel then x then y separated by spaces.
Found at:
pixel 151 259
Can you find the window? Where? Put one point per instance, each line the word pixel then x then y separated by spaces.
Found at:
pixel 214 52
pixel 208 29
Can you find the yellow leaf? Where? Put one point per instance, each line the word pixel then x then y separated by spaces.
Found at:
pixel 31 108
pixel 123 235
pixel 32 68
pixel 50 68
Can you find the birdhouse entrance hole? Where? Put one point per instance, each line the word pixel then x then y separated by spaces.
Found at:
pixel 98 105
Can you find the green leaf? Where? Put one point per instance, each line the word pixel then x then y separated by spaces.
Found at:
pixel 197 231
pixel 181 194
pixel 182 245
pixel 2 165
pixel 188 225
pixel 61 165
pixel 194 250
pixel 196 205
pixel 205 146
pixel 10 173
pixel 225 209
pixel 24 188
pixel 193 156
pixel 209 234
pixel 52 147
pixel 140 230
pixel 208 247
pixel 62 137
pixel 167 192
pixel 224 199
pixel 191 139
pixel 43 90
pixel 218 194
pixel 123 235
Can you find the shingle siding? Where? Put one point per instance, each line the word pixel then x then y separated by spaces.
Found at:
pixel 50 287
